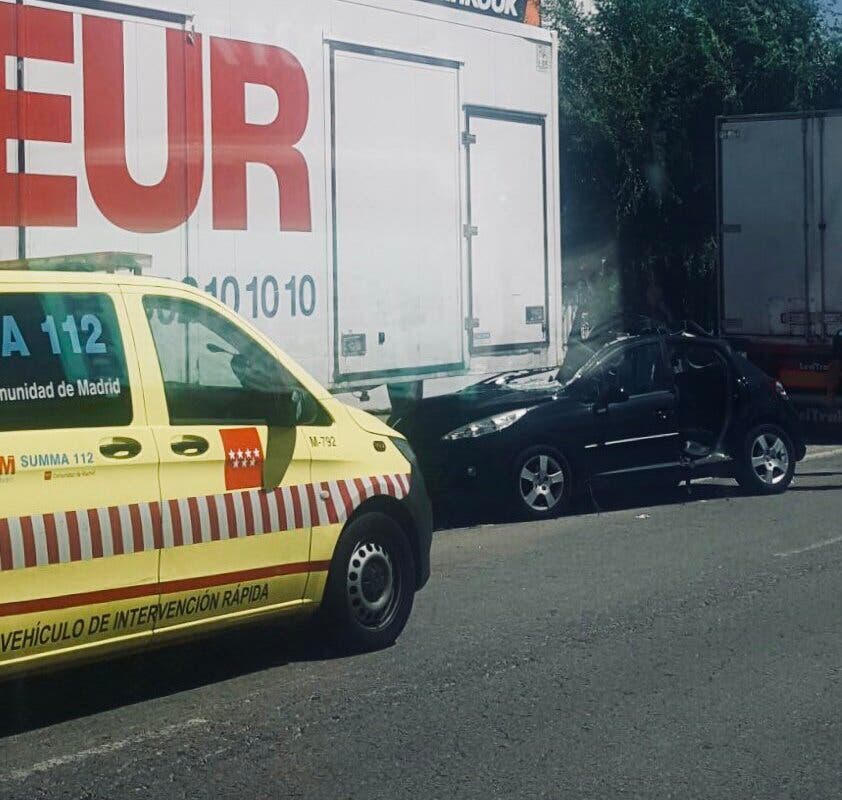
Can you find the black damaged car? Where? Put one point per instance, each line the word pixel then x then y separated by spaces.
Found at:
pixel 658 407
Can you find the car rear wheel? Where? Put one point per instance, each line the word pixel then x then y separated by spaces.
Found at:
pixel 371 584
pixel 541 483
pixel 768 461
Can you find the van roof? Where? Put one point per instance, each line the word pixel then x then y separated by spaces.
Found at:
pixel 109 268
pixel 108 262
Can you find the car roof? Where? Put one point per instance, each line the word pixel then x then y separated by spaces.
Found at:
pixel 680 337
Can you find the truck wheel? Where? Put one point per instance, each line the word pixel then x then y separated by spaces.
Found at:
pixel 371 584
pixel 767 465
pixel 541 481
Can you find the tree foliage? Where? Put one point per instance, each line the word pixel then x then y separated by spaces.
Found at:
pixel 642 82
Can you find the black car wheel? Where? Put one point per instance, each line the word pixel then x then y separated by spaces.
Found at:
pixel 767 465
pixel 541 483
pixel 371 584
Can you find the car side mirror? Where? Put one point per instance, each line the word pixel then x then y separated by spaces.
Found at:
pixel 617 394
pixel 287 409
pixel 588 390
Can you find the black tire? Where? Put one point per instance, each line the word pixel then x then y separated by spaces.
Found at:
pixel 775 474
pixel 373 553
pixel 547 501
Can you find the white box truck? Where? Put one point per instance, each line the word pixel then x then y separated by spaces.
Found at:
pixel 780 249
pixel 375 183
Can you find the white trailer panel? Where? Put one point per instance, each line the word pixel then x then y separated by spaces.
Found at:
pixel 396 168
pixel 205 140
pixel 763 235
pixel 831 217
pixel 507 231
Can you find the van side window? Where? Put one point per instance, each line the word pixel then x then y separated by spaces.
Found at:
pixel 62 363
pixel 214 372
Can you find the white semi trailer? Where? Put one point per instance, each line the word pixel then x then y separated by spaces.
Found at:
pixel 780 223
pixel 375 183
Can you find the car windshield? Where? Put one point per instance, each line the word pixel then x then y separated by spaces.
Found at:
pixel 592 367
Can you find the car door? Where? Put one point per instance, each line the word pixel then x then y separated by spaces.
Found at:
pixel 230 546
pixel 78 474
pixel 637 419
pixel 705 385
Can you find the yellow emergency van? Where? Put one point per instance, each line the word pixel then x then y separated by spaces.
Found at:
pixel 165 470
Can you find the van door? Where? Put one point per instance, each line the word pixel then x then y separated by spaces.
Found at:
pixel 507 231
pixel 229 547
pixel 79 511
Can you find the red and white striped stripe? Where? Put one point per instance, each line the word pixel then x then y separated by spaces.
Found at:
pixel 65 537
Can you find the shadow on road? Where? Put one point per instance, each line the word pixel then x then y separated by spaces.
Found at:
pixel 819 474
pixel 601 499
pixel 614 498
pixel 43 700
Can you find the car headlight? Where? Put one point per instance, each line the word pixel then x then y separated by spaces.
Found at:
pixel 482 427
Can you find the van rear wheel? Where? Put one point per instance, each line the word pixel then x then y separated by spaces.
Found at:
pixel 371 584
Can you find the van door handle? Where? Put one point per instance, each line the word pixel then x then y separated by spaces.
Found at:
pixel 190 446
pixel 120 448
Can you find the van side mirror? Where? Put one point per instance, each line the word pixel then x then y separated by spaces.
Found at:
pixel 286 410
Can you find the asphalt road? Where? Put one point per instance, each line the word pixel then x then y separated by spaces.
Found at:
pixel 675 645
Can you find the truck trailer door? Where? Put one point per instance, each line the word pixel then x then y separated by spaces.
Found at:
pixel 507 230
pixel 830 223
pixel 396 213
pixel 763 185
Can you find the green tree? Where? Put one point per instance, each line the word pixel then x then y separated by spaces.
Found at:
pixel 642 82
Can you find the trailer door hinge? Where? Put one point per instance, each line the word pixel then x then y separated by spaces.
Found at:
pixel 468 138
pixel 730 133
pixel 470 230
pixel 471 323
pixel 732 229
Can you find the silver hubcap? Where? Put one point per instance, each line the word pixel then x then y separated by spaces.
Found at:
pixel 371 585
pixel 769 458
pixel 541 483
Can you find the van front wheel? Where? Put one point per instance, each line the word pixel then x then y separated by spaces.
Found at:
pixel 371 584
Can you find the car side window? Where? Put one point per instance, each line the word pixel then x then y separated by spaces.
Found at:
pixel 62 363
pixel 214 372
pixel 694 357
pixel 638 369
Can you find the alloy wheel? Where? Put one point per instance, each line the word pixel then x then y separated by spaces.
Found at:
pixel 541 482
pixel 770 458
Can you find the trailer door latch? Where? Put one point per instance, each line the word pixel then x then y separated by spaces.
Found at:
pixel 468 138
